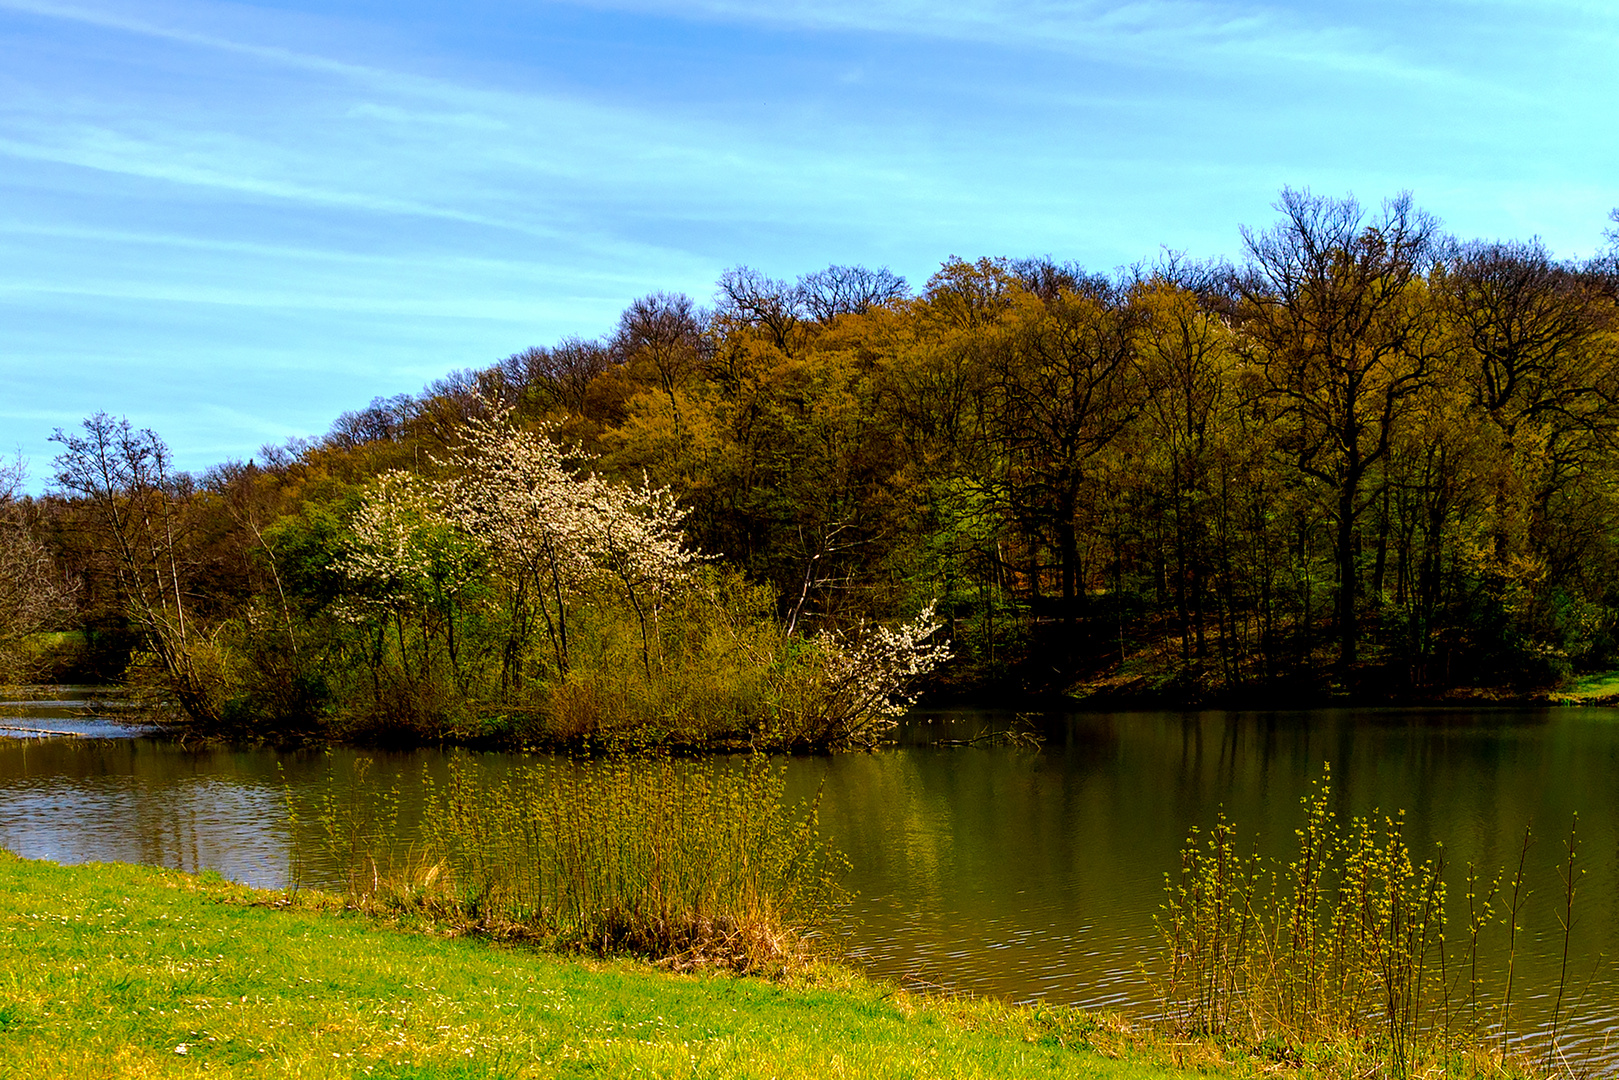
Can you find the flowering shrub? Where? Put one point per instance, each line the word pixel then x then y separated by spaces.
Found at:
pixel 867 679
pixel 521 586
pixel 405 548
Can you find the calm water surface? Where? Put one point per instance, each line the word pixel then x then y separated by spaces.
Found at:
pixel 1029 874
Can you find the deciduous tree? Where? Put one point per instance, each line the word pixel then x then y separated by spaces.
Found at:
pixel 1334 314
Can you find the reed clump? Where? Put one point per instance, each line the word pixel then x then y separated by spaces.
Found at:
pixel 687 863
pixel 1341 951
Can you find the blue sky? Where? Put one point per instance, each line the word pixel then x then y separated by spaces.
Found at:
pixel 230 222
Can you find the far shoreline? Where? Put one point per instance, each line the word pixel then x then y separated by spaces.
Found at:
pixel 1097 698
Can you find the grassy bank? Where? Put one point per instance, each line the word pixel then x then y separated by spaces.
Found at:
pixel 116 970
pixel 1599 689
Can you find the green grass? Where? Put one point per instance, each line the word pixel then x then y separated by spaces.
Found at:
pixel 1590 689
pixel 52 639
pixel 111 969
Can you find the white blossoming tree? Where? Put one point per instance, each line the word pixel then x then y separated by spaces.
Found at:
pixel 867 679
pixel 639 546
pixel 518 544
pixel 512 488
pixel 410 563
pixel 555 532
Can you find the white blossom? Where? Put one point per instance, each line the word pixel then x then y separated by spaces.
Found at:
pixel 514 490
pixel 869 676
pixel 560 530
pixel 405 547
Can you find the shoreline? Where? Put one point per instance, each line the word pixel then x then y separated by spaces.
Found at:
pixel 1119 694
pixel 126 970
pixel 1599 691
pixel 120 970
pixel 491 734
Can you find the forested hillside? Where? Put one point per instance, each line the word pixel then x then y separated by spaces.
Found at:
pixel 1367 459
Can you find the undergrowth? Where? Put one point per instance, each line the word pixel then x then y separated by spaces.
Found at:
pixel 1347 950
pixel 687 863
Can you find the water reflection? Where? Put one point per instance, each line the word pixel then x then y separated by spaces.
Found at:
pixel 1027 874
pixel 1049 866
pixel 42 712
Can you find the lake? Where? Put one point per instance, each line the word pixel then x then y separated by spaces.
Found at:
pixel 1024 873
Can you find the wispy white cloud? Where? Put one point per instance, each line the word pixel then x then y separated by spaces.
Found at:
pixel 1186 34
pixel 459 307
pixel 112 151
pixel 392 263
pixel 112 18
pixel 367 110
pixel 206 188
pixel 370 139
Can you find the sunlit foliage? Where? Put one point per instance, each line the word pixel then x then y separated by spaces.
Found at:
pixel 1367 459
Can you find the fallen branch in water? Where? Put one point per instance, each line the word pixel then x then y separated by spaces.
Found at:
pixel 42 731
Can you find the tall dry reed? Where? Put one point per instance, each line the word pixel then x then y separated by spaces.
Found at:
pixel 689 862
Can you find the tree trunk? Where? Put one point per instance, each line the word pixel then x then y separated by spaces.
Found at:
pixel 1068 548
pixel 1346 576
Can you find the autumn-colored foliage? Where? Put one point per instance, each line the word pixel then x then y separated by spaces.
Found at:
pixel 1367 459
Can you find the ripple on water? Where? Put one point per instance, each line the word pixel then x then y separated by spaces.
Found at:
pixel 1031 876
